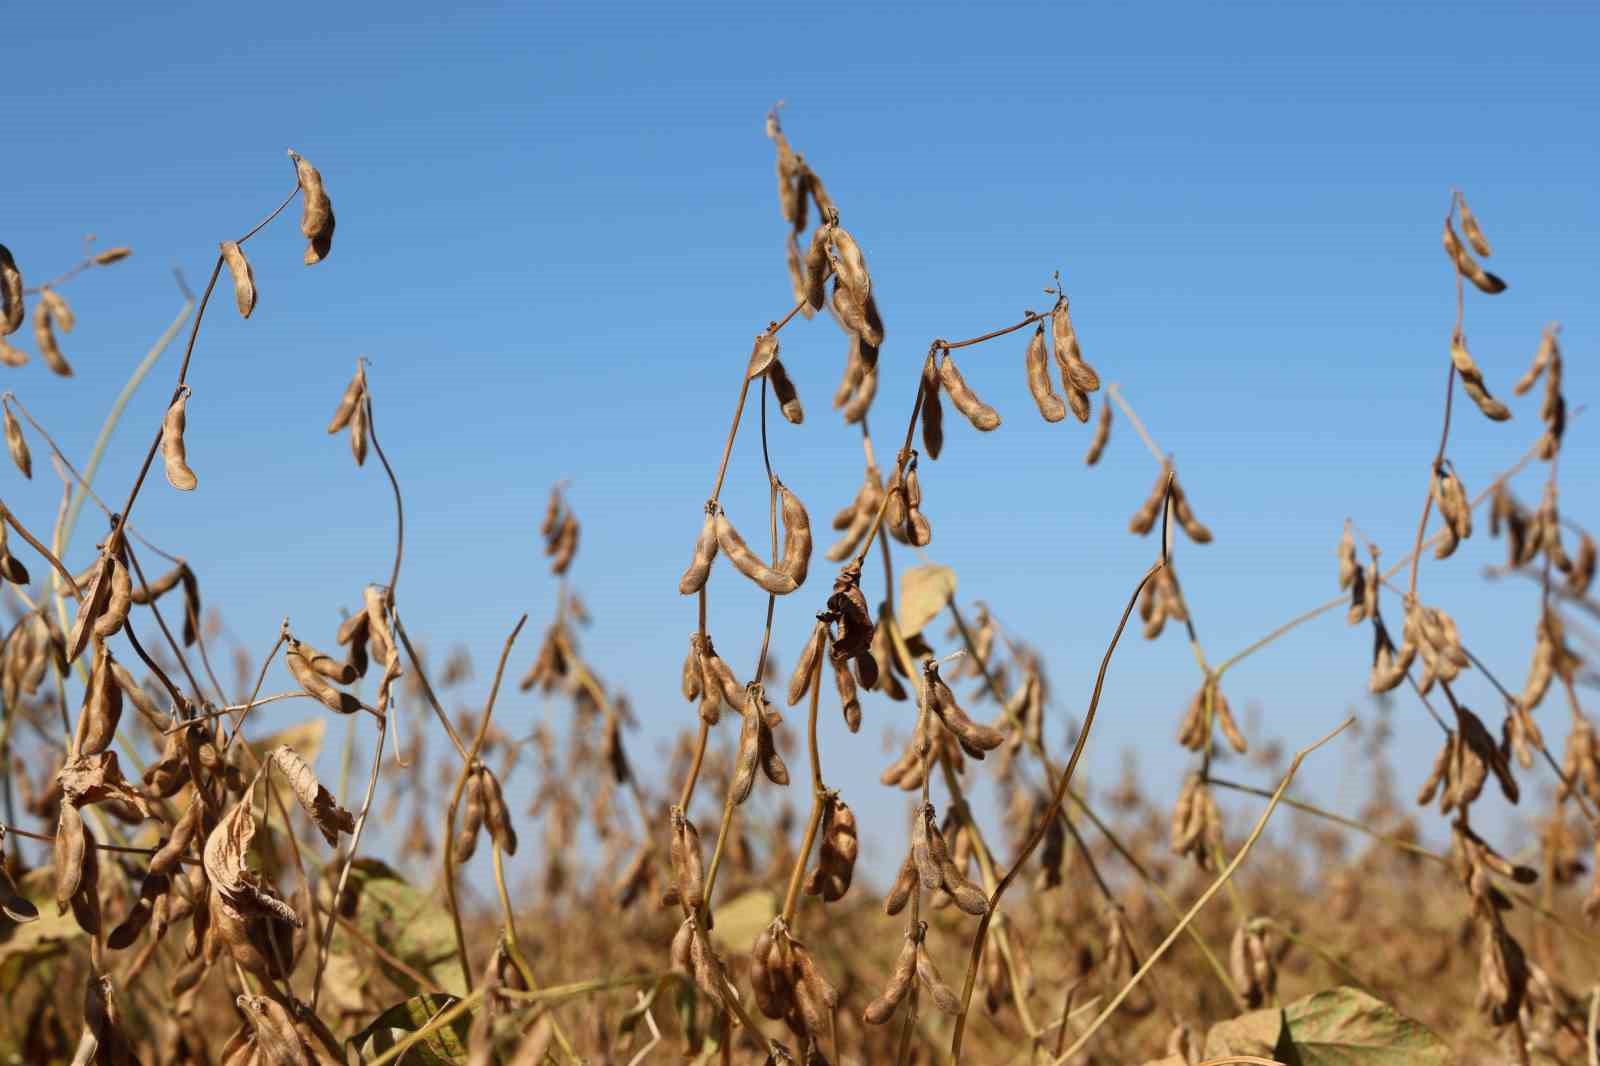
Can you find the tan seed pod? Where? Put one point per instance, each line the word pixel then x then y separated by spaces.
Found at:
pixel 12 309
pixel 1230 728
pixel 318 803
pixel 943 998
pixel 151 889
pixel 923 831
pixel 173 452
pixel 805 669
pixel 168 857
pixel 354 396
pixel 1144 519
pixel 102 709
pixel 817 267
pixel 746 760
pixel 1037 363
pixel 747 562
pixel 849 263
pixel 1102 435
pixel 112 255
pixel 880 1010
pixel 90 608
pixel 761 973
pixel 17 445
pixel 1472 380
pixel 796 559
pixel 1543 356
pixel 1468 266
pixel 117 603
pixel 849 698
pixel 866 391
pixel 147 593
pixel 358 433
pixel 981 415
pixel 932 411
pixel 297 658
pixel 784 392
pixel 905 883
pixel 72 842
pixel 705 553
pixel 60 313
pixel 244 279
pixel 496 816
pixel 688 871
pixel 1469 226
pixel 11 355
pixel 44 336
pixel 316 210
pixel 465 844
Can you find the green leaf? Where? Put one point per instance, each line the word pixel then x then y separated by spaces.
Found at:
pixel 409 924
pixel 924 592
pixel 740 919
pixel 1284 1050
pixel 444 1046
pixel 1339 1027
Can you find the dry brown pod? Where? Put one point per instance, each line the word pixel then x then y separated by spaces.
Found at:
pixel 747 562
pixel 298 658
pixel 805 669
pixel 316 210
pixel 817 267
pixel 60 312
pixel 465 844
pixel 44 336
pixel 11 355
pixel 981 415
pixel 1102 435
pixel 687 869
pixel 244 278
pixel 12 309
pixel 496 815
pixel 354 395
pixel 1469 267
pixel 17 444
pixel 1472 380
pixel 1036 361
pixel 117 602
pixel 705 553
pixel 943 998
pixel 96 595
pixel 932 411
pixel 880 1010
pixel 173 452
pixel 796 560
pixel 784 392
pixel 1469 226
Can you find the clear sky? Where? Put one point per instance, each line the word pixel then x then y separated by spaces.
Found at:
pixel 558 231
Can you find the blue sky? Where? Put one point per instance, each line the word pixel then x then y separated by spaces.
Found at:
pixel 558 231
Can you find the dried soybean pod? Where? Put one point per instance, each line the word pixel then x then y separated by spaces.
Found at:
pixel 71 844
pixel 169 856
pixel 316 210
pixel 1469 226
pixel 1468 266
pixel 151 888
pixel 1542 357
pixel 60 314
pixel 849 263
pixel 805 669
pixel 358 433
pixel 746 561
pixel 314 683
pixel 932 411
pixel 705 553
pixel 749 752
pixel 353 395
pixel 90 608
pixel 784 392
pixel 12 309
pixel 1037 362
pixel 905 883
pixel 881 1009
pixel 817 267
pixel 1102 434
pixel 244 279
pixel 191 606
pixel 173 453
pixel 855 410
pixel 465 844
pixel 928 974
pixel 117 602
pixel 1472 380
pixel 796 559
pixel 45 337
pixel 929 870
pixel 981 415
pixel 10 355
pixel 849 700
pixel 112 255
pixel 17 444
pixel 495 813
pixel 689 869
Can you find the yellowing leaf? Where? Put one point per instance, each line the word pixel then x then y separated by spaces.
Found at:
pixel 741 918
pixel 1339 1027
pixel 410 924
pixel 305 739
pixel 444 1046
pixel 924 592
